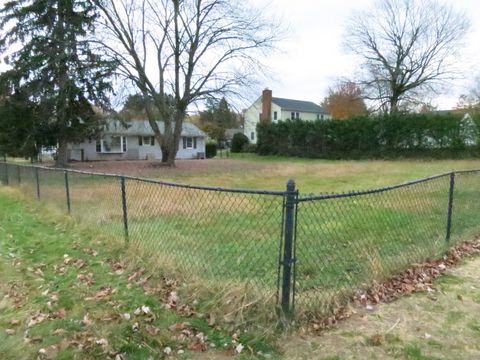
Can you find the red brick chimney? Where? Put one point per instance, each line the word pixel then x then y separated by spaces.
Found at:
pixel 267 105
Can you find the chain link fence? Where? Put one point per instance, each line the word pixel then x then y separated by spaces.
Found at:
pixel 302 254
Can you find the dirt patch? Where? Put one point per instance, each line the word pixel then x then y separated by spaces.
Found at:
pixel 144 168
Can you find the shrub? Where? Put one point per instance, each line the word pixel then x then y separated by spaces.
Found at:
pixel 249 148
pixel 405 135
pixel 210 150
pixel 239 140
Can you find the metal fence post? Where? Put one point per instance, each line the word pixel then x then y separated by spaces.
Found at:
pixel 37 178
pixel 288 244
pixel 124 207
pixel 450 206
pixel 67 192
pixel 19 178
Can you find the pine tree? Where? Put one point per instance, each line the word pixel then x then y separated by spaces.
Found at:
pixel 56 66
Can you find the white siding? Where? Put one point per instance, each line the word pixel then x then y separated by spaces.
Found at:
pixel 134 151
pixel 252 117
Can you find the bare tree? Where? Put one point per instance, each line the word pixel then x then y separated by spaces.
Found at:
pixel 471 100
pixel 178 52
pixel 408 49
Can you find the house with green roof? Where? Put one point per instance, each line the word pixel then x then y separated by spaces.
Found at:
pixel 135 140
pixel 269 108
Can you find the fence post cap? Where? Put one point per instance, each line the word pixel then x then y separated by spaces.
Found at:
pixel 290 185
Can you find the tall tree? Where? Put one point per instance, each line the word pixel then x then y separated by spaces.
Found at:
pixel 345 101
pixel 22 132
pixel 191 50
pixel 55 66
pixel 407 47
pixel 217 117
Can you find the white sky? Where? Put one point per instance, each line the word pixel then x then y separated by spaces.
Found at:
pixel 312 56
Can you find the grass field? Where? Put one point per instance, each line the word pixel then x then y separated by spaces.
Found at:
pixel 311 176
pixel 64 293
pixel 232 239
pixel 70 294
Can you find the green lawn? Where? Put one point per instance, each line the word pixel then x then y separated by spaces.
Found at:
pixel 311 175
pixel 231 240
pixel 70 294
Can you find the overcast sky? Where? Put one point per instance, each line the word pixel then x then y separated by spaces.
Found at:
pixel 312 56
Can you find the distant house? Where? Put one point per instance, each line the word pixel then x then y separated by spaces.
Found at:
pixel 135 140
pixel 268 108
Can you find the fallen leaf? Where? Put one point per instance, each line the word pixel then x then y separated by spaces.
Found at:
pixel 239 348
pixel 179 326
pixel 152 330
pixel 86 321
pixel 102 342
pixel 135 327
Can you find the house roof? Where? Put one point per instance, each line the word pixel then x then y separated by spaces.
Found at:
pixel 299 105
pixel 142 127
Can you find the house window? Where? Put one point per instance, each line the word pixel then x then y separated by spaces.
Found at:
pixel 189 142
pixel 275 115
pixel 112 144
pixel 146 140
pixel 318 116
pixel 252 135
pixel 295 115
pixel 322 117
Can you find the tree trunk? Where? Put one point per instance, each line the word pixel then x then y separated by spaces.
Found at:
pixel 62 158
pixel 393 105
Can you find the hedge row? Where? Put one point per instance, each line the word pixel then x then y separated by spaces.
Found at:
pixel 406 135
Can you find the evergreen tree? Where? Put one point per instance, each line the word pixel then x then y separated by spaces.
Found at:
pixel 55 65
pixel 217 118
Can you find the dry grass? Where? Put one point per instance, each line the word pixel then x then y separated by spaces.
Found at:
pixel 312 176
pixel 439 325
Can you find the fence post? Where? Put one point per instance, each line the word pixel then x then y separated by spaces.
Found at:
pixel 450 206
pixel 38 182
pixel 19 175
pixel 67 192
pixel 124 207
pixel 288 259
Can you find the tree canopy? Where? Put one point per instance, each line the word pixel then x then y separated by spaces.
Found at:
pixel 345 101
pixel 217 117
pixel 54 66
pixel 190 50
pixel 407 48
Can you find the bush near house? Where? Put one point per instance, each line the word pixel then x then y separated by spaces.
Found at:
pixel 210 150
pixel 239 141
pixel 439 135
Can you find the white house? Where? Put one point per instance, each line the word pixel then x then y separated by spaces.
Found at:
pixel 268 108
pixel 134 140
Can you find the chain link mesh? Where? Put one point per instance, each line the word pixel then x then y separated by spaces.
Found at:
pixel 346 242
pixel 343 242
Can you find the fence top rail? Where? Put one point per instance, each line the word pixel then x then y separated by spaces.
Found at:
pixel 304 198
pixel 382 189
pixel 154 181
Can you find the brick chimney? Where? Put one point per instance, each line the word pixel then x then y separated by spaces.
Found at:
pixel 267 105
